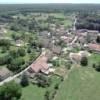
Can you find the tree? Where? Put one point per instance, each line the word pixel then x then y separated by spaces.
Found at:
pixel 24 80
pixel 4 60
pixel 13 53
pixel 56 86
pixel 33 55
pixel 29 50
pixel 21 52
pixel 16 53
pixel 16 36
pixel 68 65
pixel 5 42
pixel 4 49
pixel 94 65
pixel 98 39
pixel 97 67
pixel 55 63
pixel 16 64
pixel 10 91
pixel 84 61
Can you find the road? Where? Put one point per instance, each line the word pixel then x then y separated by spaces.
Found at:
pixel 74 40
pixel 74 24
pixel 15 76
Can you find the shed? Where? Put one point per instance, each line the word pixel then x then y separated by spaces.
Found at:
pixel 4 73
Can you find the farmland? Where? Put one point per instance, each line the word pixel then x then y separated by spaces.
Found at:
pixel 38 93
pixel 81 83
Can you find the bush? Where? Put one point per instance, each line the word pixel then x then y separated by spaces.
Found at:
pixel 47 95
pixel 84 61
pixel 53 94
pixel 98 39
pixel 43 81
pixel 13 53
pixel 21 52
pixel 56 86
pixel 97 67
pixel 55 63
pixel 68 65
pixel 4 49
pixel 5 42
pixel 4 60
pixel 17 53
pixel 29 50
pixel 94 65
pixel 33 55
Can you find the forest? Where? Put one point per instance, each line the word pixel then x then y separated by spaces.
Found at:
pixel 48 7
pixel 87 20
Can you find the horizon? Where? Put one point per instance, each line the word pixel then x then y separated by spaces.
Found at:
pixel 49 2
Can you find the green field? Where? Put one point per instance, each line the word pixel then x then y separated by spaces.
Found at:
pixel 94 58
pixel 82 84
pixel 33 92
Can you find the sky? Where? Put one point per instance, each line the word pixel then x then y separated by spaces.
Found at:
pixel 49 1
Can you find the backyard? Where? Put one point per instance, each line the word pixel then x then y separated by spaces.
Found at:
pixel 33 92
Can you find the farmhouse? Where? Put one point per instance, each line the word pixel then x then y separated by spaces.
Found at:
pixel 44 41
pixel 19 43
pixel 94 47
pixel 76 57
pixel 40 65
pixel 4 73
pixel 45 34
pixel 56 49
pixel 92 35
pixel 81 32
pixel 66 39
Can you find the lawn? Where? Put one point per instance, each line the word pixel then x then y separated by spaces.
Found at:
pixel 58 15
pixel 68 23
pixel 33 92
pixel 82 84
pixel 9 33
pixel 94 58
pixel 3 54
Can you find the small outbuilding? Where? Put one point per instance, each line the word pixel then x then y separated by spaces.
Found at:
pixel 4 73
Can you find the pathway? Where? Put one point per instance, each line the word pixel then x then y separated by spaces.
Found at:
pixel 15 76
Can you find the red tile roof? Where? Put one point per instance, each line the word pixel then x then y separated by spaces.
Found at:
pixel 40 64
pixel 66 39
pixel 95 47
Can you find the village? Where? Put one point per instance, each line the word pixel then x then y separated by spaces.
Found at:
pixel 60 50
